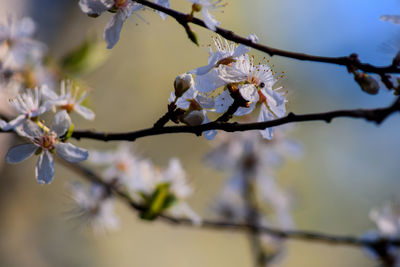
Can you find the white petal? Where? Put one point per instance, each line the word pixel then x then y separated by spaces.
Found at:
pixel 48 94
pixel 85 112
pixel 223 102
pixel 19 153
pixel 164 3
pixel 244 111
pixel 61 123
pixel 210 135
pixel 242 49
pixel 30 129
pixel 45 168
pixel 391 18
pixel 202 70
pixel 113 29
pixel 265 115
pixel 276 101
pixel 3 124
pixel 209 19
pixel 209 82
pixel 205 102
pixel 249 92
pixel 26 28
pixel 71 153
pixel 95 7
pixel 230 74
pixel 14 123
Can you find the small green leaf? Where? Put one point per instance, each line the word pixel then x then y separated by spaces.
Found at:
pixel 160 200
pixel 88 56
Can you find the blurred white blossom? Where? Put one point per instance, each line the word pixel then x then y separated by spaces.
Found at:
pixel 70 99
pixel 94 206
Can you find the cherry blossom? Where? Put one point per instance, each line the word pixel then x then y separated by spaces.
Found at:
pixel 45 142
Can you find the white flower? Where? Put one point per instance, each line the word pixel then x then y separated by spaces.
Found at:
pixel 120 164
pixel 391 18
pixel 225 53
pixel 45 141
pixel 205 6
pixel 387 220
pixel 68 100
pixel 18 46
pixel 28 105
pixel 95 207
pixel 123 9
pixel 258 88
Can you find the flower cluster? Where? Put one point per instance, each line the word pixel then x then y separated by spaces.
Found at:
pixel 43 140
pixel 123 9
pixel 157 190
pixel 252 186
pixel 230 84
pixel 21 57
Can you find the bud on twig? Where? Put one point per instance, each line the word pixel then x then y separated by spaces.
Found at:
pixel 367 83
pixel 193 118
pixel 182 83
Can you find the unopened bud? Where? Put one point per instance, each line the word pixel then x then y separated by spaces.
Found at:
pixel 367 83
pixel 182 83
pixel 193 118
pixel 196 7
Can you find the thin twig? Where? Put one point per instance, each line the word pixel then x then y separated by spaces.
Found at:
pixel 348 61
pixel 377 115
pixel 88 174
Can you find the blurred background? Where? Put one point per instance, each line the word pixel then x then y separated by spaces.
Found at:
pixel 348 166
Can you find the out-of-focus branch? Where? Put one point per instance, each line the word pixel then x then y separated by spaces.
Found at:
pixel 377 115
pixel 348 61
pixel 88 174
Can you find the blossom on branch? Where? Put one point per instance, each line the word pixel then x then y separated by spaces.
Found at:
pixel 16 43
pixel 387 220
pixel 45 142
pixel 69 99
pixel 29 105
pixel 205 6
pixel 94 206
pixel 123 9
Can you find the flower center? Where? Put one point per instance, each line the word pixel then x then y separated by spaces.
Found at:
pixel 122 166
pixel 120 3
pixel 47 141
pixel 254 80
pixel 68 107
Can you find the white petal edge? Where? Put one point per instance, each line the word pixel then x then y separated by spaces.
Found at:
pixel 71 153
pixel 44 170
pixel 19 153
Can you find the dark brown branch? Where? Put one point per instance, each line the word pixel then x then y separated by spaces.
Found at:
pixel 377 115
pixel 348 61
pixel 224 225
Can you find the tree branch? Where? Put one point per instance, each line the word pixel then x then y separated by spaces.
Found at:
pixel 377 115
pixel 224 225
pixel 348 61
